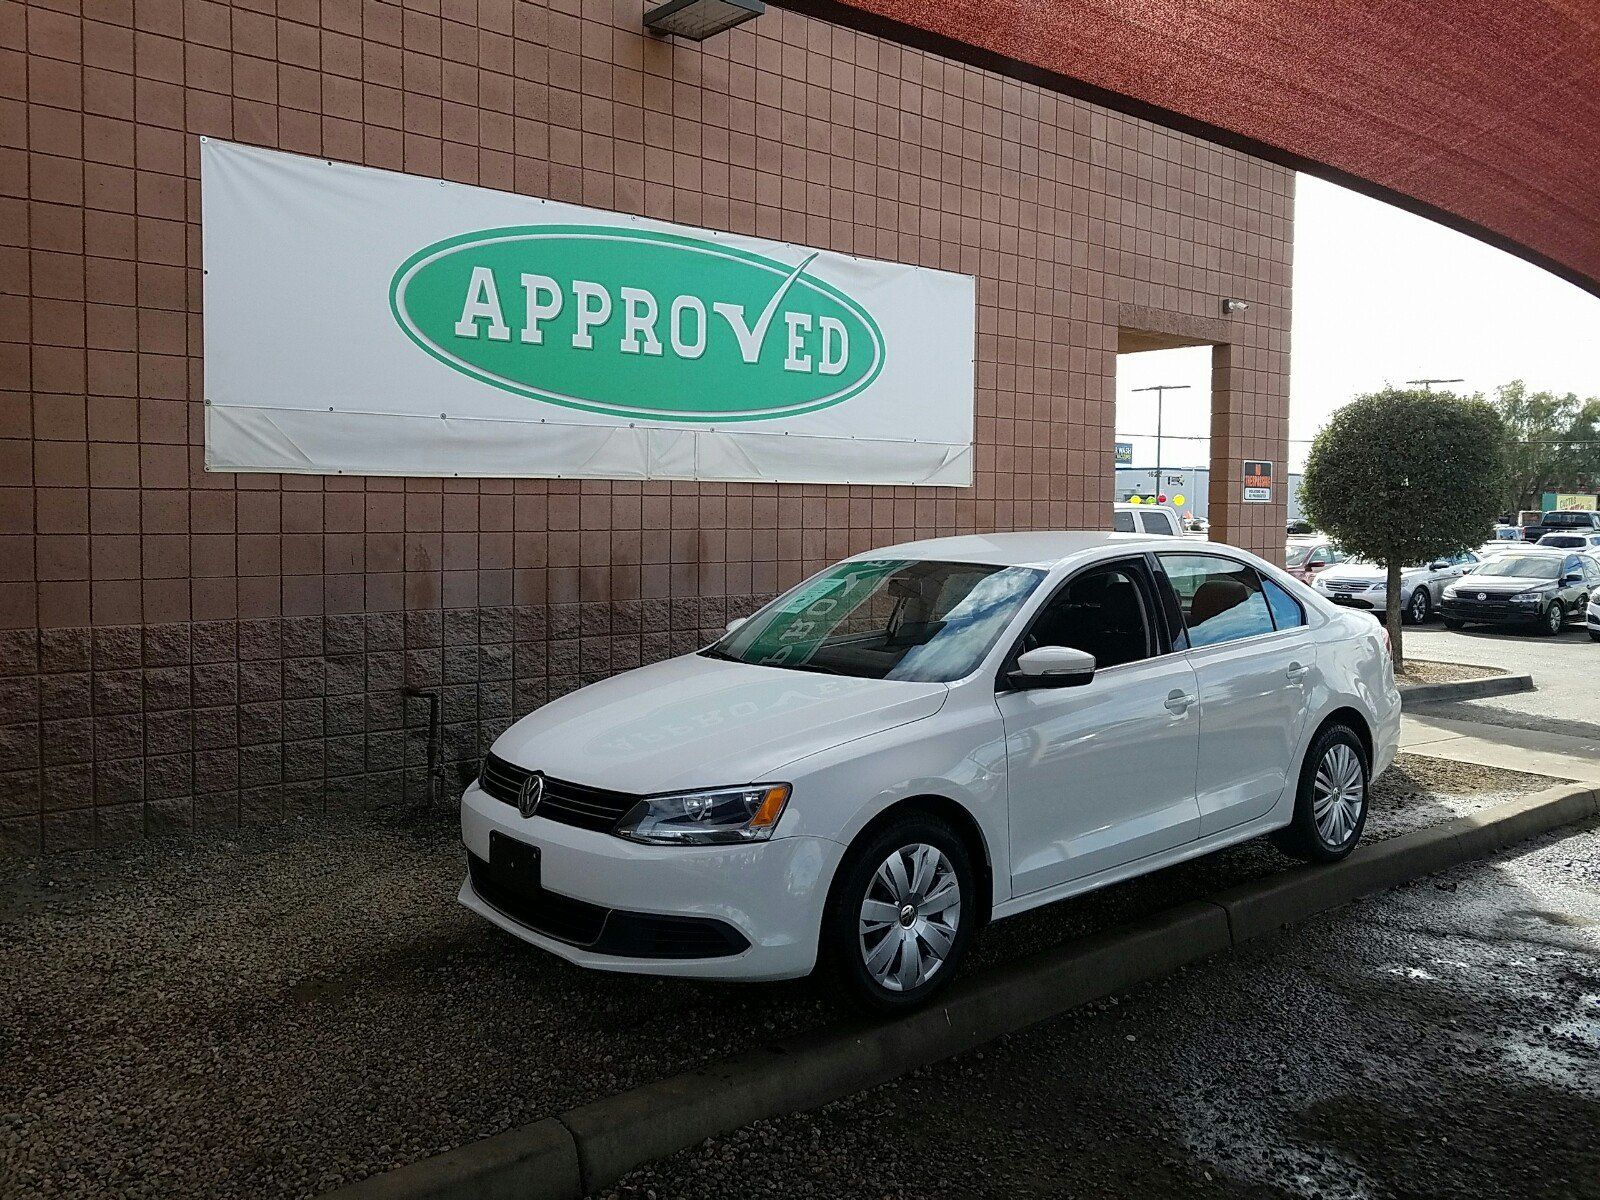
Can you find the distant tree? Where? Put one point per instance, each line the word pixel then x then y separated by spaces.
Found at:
pixel 1403 477
pixel 1552 442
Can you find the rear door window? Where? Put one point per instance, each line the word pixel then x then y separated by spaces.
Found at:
pixel 1285 609
pixel 1156 522
pixel 1122 522
pixel 1221 600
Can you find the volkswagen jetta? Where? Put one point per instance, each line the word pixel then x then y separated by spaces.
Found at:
pixel 923 739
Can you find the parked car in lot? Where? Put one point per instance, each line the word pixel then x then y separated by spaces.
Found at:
pixel 1306 558
pixel 1159 519
pixel 1537 587
pixel 922 739
pixel 1361 584
pixel 1562 520
pixel 1591 616
pixel 1583 540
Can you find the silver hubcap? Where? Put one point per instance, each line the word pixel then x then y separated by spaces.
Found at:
pixel 1338 793
pixel 909 917
pixel 1419 607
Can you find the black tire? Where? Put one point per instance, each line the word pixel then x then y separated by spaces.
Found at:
pixel 1552 619
pixel 1304 837
pixel 845 946
pixel 1418 608
pixel 1453 623
pixel 1594 636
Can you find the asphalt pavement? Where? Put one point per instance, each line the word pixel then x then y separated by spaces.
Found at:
pixel 1439 1040
pixel 1565 670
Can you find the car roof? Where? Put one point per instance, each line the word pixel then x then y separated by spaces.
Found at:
pixel 1043 549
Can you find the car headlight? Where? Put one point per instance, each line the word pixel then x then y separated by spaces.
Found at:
pixel 1449 592
pixel 1528 598
pixel 716 816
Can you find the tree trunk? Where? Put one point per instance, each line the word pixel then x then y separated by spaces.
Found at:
pixel 1391 616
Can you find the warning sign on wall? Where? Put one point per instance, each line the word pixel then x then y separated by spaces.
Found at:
pixel 1257 482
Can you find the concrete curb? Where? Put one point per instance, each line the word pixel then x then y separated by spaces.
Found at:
pixel 567 1156
pixel 1466 689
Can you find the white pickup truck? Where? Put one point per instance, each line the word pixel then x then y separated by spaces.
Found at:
pixel 1146 518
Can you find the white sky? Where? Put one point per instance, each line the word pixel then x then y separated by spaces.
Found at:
pixel 1382 296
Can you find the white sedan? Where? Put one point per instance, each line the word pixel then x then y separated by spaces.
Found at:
pixel 925 738
pixel 1365 585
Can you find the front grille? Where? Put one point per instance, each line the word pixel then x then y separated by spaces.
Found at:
pixel 1492 607
pixel 1346 585
pixel 603 930
pixel 568 803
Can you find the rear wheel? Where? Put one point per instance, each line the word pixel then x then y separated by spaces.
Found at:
pixel 1330 808
pixel 1553 618
pixel 1418 607
pixel 901 913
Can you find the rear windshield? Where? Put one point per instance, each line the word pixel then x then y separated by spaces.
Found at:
pixel 1568 520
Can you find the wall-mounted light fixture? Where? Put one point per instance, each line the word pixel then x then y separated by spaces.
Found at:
pixel 699 19
pixel 1231 306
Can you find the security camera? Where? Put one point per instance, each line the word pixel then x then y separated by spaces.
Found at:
pixel 1230 306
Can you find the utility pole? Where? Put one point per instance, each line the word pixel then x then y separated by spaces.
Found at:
pixel 1427 384
pixel 1161 390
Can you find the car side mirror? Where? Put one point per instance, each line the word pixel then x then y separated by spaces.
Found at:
pixel 1438 566
pixel 735 623
pixel 1052 667
pixel 1572 577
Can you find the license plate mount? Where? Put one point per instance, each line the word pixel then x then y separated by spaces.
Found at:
pixel 512 863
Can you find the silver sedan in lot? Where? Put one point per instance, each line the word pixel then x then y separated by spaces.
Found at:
pixel 1360 584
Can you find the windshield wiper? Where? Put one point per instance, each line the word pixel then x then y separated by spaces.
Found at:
pixel 718 652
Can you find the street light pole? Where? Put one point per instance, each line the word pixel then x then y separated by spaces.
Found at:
pixel 1161 390
pixel 1427 384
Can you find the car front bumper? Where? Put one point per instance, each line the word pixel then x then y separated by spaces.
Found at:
pixel 770 893
pixel 1492 613
pixel 1591 618
pixel 1370 601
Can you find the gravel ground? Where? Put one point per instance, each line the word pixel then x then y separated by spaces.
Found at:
pixel 1421 671
pixel 285 1009
pixel 1440 1040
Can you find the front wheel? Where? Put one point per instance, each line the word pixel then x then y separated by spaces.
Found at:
pixel 901 913
pixel 1553 619
pixel 1418 607
pixel 1594 636
pixel 1330 808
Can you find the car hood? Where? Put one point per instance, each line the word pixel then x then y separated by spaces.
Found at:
pixel 1501 585
pixel 694 721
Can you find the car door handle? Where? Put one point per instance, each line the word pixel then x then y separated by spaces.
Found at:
pixel 1178 702
pixel 1296 672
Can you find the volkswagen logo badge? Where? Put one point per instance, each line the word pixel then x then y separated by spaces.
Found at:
pixel 530 794
pixel 1483 595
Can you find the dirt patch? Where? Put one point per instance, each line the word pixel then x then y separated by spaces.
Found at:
pixel 1418 671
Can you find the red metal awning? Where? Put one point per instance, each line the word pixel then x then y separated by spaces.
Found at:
pixel 1485 116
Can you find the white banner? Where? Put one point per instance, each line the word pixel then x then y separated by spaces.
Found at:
pixel 366 322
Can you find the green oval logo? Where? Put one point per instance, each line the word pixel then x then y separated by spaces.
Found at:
pixel 636 323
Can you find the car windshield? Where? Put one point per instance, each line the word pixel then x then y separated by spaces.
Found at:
pixel 1526 566
pixel 1561 539
pixel 885 619
pixel 1297 555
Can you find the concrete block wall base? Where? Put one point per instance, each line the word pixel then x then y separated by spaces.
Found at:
pixel 567 1156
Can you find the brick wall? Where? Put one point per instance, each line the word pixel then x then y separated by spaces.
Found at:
pixel 178 647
